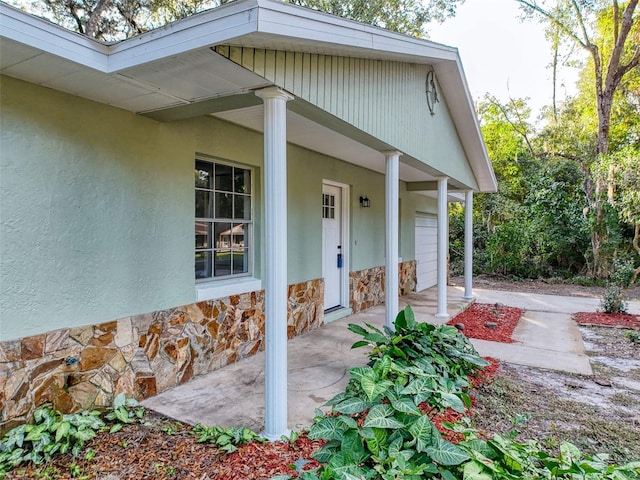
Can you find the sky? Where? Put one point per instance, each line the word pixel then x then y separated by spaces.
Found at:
pixel 501 54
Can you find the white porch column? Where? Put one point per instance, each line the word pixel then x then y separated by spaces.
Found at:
pixel 392 192
pixel 443 247
pixel 468 244
pixel 275 276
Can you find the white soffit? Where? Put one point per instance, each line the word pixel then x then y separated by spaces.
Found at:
pixel 306 133
pixel 195 76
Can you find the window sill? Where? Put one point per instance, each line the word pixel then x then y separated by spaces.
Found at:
pixel 224 288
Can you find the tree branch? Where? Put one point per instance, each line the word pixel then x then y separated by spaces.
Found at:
pixel 615 72
pixel 537 8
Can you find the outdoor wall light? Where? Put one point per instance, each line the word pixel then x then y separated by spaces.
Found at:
pixel 365 202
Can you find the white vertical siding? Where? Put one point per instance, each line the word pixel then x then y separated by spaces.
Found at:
pixel 385 99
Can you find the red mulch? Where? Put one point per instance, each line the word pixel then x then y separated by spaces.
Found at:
pixel 477 315
pixel 165 449
pixel 266 460
pixel 451 416
pixel 623 320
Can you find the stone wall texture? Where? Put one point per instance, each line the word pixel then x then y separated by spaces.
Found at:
pixel 366 287
pixel 85 367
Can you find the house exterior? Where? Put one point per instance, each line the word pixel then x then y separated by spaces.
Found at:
pixel 311 158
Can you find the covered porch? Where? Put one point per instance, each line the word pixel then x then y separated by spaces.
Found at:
pixel 318 363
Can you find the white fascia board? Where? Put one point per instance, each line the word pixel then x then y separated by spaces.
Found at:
pixel 347 36
pixel 214 27
pixel 50 38
pixel 452 81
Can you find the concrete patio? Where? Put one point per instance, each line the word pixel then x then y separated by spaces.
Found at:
pixel 546 337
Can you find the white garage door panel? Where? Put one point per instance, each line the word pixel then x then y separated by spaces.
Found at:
pixel 426 246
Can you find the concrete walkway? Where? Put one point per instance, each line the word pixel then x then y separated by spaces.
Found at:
pixel 318 361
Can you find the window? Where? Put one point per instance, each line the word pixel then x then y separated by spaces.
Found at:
pixel 328 206
pixel 223 220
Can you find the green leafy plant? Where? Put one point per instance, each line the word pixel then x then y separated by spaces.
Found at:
pixel 620 280
pixel 124 411
pixel 51 433
pixel 226 439
pixel 379 426
pixel 613 300
pixel 505 459
pixel 633 336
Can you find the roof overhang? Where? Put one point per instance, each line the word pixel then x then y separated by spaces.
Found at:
pixel 174 66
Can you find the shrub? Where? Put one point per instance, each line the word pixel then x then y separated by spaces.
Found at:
pixel 613 301
pixel 51 433
pixel 622 273
pixel 378 427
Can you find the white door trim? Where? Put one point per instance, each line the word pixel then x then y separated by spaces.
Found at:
pixel 346 250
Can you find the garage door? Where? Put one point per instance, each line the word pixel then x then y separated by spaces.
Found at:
pixel 426 251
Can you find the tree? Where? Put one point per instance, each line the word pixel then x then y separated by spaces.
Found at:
pixel 404 16
pixel 622 169
pixel 112 20
pixel 610 33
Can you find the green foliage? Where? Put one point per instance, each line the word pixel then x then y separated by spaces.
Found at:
pixel 534 225
pixel 227 439
pixel 124 411
pixel 378 428
pixel 620 279
pixel 405 16
pixel 505 459
pixel 622 273
pixel 633 336
pixel 120 19
pixel 613 300
pixel 51 433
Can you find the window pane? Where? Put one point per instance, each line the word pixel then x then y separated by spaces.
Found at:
pixel 203 265
pixel 224 205
pixel 222 263
pixel 222 232
pixel 241 180
pixel 242 207
pixel 224 178
pixel 203 235
pixel 203 204
pixel 204 174
pixel 237 236
pixel 240 260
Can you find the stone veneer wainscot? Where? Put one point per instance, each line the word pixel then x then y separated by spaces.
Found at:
pixel 366 287
pixel 85 367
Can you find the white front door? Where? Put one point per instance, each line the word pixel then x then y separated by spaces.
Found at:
pixel 332 249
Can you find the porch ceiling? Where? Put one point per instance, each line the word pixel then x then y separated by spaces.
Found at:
pixel 306 133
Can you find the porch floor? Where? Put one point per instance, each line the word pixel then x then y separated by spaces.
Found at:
pixel 318 361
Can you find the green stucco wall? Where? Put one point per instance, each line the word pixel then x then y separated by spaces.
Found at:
pixel 97 209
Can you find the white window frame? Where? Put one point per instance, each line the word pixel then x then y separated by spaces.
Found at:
pixel 217 287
